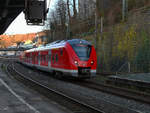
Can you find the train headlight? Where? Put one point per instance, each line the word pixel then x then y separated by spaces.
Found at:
pixel 92 62
pixel 76 62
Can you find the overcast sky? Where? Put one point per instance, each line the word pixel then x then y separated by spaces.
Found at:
pixel 19 26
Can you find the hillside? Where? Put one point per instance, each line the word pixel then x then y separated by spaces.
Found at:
pixel 124 47
pixel 9 40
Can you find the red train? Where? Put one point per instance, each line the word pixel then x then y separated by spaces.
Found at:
pixel 74 57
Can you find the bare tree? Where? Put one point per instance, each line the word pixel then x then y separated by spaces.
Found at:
pixel 61 11
pixel 62 16
pixel 68 9
pixel 53 24
pixel 74 9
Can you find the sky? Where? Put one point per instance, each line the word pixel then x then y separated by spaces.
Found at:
pixel 19 26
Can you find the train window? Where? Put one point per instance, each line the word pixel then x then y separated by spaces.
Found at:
pixel 83 51
pixel 61 51
pixel 56 57
pixel 53 58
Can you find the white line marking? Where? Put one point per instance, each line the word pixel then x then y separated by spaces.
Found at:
pixel 19 98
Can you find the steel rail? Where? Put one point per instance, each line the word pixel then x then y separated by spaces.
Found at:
pixel 122 92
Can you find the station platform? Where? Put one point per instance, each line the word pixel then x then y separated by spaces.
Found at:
pixel 141 80
pixel 17 98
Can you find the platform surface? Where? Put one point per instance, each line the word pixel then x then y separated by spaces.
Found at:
pixel 143 77
pixel 17 98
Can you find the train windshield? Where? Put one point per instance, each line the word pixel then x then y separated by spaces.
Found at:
pixel 82 51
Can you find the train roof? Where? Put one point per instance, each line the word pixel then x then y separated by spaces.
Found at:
pixel 58 44
pixel 78 41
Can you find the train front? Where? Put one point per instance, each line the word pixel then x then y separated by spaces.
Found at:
pixel 84 58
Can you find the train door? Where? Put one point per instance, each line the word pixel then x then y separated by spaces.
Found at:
pixel 44 59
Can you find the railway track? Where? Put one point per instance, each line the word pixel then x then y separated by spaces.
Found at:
pixel 112 107
pixel 69 102
pixel 122 92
